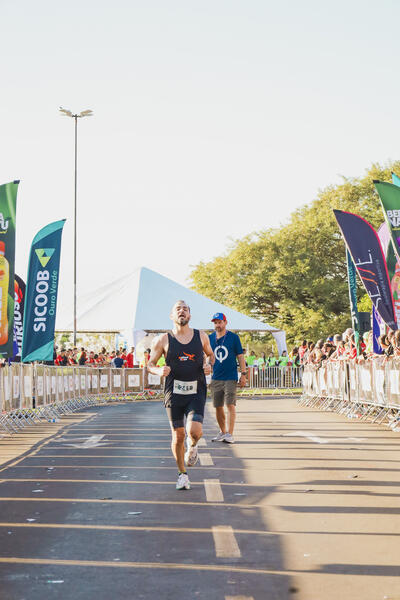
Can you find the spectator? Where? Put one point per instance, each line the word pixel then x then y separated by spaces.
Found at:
pixel 91 359
pixel 284 359
pixel 130 358
pixel 302 349
pixel 250 360
pixel 396 344
pixel 295 357
pixel 62 359
pixel 147 356
pixel 261 362
pixel 117 362
pixel 82 357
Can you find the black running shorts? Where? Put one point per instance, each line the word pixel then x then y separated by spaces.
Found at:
pixel 192 408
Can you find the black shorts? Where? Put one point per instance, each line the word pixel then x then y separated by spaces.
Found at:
pixel 191 408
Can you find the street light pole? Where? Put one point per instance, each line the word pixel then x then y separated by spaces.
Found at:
pixel 68 113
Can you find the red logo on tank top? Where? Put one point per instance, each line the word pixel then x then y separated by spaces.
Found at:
pixel 186 357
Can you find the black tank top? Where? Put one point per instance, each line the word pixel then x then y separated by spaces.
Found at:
pixel 187 378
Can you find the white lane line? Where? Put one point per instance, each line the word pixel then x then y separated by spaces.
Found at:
pixel 206 460
pixel 239 598
pixel 202 442
pixel 225 542
pixel 320 440
pixel 213 490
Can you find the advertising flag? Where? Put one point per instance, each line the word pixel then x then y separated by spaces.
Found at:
pixel 8 205
pixel 393 267
pixel 393 264
pixel 352 280
pixel 41 294
pixel 378 328
pixel 389 195
pixel 365 248
pixel 395 179
pixel 19 299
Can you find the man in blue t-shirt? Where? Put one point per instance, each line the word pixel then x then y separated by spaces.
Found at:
pixel 227 350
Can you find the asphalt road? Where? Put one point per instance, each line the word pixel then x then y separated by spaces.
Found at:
pixel 305 505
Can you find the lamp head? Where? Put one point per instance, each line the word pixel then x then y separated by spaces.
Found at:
pixel 65 112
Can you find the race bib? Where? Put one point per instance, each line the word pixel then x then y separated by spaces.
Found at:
pixel 185 387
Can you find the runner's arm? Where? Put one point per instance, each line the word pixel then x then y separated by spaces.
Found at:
pixel 157 350
pixel 208 355
pixel 207 348
pixel 243 369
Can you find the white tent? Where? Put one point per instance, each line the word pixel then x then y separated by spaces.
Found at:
pixel 141 302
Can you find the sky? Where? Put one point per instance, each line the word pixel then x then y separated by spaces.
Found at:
pixel 212 119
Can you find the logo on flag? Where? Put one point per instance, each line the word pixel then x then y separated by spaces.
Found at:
pixel 44 255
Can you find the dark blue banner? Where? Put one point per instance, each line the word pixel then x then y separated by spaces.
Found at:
pixel 41 294
pixel 365 248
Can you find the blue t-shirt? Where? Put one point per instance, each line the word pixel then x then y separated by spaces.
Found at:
pixel 226 349
pixel 117 362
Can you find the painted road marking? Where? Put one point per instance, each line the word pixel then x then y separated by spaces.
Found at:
pixel 144 565
pixel 112 501
pixel 213 490
pixel 30 523
pixel 156 432
pixel 155 456
pixel 133 447
pixel 225 542
pixel 37 455
pixel 239 598
pixel 206 460
pixel 135 481
pixel 130 481
pixel 319 440
pixel 92 441
pixel 202 442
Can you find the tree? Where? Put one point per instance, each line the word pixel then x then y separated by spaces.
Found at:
pixel 295 277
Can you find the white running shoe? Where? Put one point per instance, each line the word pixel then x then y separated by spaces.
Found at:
pixel 228 438
pixel 183 482
pixel 191 455
pixel 220 437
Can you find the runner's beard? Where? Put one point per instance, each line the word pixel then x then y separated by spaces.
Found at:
pixel 182 321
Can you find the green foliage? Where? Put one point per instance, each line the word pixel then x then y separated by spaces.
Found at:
pixel 295 277
pixel 364 304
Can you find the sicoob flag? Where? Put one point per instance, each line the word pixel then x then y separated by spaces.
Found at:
pixel 41 294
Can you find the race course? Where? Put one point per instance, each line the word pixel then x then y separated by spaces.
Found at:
pixel 304 505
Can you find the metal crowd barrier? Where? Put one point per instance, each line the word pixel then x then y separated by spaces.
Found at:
pixel 366 390
pixel 32 394
pixel 277 378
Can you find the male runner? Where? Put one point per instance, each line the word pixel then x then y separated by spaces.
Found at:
pixel 185 385
pixel 227 348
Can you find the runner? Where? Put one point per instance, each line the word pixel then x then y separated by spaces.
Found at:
pixel 227 348
pixel 185 385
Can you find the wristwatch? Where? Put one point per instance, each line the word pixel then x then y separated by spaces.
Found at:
pixel 243 373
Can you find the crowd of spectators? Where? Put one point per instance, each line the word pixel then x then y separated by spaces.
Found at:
pixel 344 347
pixel 336 347
pixel 263 361
pixel 104 358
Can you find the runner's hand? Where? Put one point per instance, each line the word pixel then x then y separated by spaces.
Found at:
pixel 165 371
pixel 207 369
